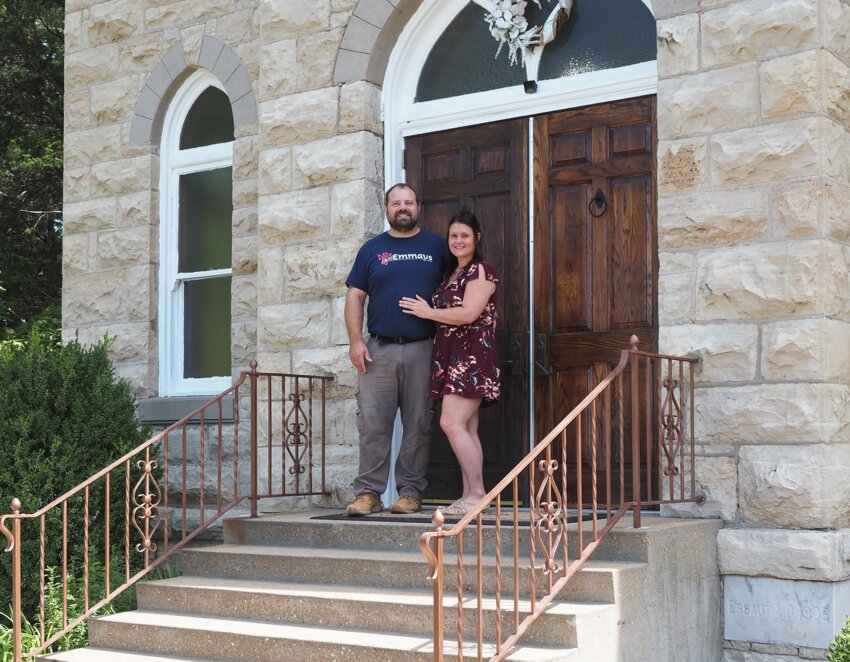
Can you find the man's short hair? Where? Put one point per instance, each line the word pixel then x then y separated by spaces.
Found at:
pixel 400 185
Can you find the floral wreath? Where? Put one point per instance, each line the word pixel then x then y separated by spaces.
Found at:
pixel 509 26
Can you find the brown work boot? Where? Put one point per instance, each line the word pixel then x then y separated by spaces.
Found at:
pixel 405 505
pixel 364 504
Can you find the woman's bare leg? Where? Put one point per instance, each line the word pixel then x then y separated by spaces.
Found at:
pixel 459 420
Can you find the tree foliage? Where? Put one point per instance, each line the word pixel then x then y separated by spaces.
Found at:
pixel 31 111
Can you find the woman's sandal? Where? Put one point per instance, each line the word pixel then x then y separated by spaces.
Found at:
pixel 459 508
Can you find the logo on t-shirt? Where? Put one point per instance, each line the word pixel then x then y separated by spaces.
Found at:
pixel 386 257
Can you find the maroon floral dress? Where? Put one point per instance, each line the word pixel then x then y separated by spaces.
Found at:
pixel 465 358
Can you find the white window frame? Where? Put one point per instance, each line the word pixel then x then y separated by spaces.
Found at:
pixel 175 162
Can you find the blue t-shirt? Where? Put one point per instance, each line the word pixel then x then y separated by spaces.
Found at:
pixel 388 268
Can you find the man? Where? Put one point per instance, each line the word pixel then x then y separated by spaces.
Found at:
pixel 394 365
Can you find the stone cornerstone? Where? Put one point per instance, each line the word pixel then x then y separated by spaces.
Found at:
pixel 754 241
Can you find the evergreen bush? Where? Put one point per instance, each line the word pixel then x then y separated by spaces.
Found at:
pixel 63 417
pixel 839 649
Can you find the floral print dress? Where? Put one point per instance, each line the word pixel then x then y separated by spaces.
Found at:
pixel 465 358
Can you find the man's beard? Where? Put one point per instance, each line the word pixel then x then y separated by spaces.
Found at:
pixel 403 222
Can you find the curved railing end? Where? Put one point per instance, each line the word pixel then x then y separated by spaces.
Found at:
pixel 16 511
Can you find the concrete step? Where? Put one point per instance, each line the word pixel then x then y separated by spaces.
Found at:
pixel 359 607
pixel 238 640
pixel 380 533
pixel 397 570
pixel 109 655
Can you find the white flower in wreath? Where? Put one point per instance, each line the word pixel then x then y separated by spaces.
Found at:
pixel 509 27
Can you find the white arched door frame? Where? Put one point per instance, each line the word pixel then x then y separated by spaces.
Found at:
pixel 402 117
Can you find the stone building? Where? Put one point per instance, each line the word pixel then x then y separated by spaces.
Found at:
pixel 279 121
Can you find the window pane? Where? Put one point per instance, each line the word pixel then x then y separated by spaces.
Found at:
pixel 206 328
pixel 209 121
pixel 600 35
pixel 206 208
pixel 462 60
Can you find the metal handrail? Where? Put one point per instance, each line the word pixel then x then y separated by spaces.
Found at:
pixel 668 421
pixel 294 414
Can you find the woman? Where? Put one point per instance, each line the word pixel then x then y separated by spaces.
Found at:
pixel 465 358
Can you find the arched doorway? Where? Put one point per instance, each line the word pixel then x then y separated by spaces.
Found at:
pixel 562 175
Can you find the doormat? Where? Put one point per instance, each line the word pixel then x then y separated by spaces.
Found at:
pixel 425 518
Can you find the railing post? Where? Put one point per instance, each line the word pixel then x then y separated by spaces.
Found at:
pixel 438 602
pixel 636 455
pixel 253 365
pixel 16 582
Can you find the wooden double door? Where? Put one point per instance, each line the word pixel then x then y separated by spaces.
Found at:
pixel 592 247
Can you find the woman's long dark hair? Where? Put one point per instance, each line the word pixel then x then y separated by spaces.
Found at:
pixel 468 219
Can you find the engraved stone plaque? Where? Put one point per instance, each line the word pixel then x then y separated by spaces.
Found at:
pixel 784 611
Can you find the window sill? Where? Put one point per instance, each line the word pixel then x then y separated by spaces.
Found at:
pixel 164 411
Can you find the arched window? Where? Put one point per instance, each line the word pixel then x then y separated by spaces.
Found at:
pixel 196 208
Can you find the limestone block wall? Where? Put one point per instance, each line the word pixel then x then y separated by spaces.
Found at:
pixel 754 107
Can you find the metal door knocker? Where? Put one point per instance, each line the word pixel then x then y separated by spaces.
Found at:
pixel 601 203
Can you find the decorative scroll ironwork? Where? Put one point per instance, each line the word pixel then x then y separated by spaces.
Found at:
pixel 548 517
pixel 146 513
pixel 672 435
pixel 297 432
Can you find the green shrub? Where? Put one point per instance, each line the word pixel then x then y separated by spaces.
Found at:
pixel 78 637
pixel 839 649
pixel 63 417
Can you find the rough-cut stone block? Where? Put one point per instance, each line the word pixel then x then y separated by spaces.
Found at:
pixel 243 292
pixel 270 276
pixel 341 158
pixel 237 28
pixel 327 361
pixel 339 334
pixel 123 248
pixel 244 258
pixel 776 279
pixel 73 32
pixel 767 154
pixel 809 349
pixel 299 118
pixel 293 325
pixel 75 254
pixel 676 262
pixel 683 166
pixel 812 555
pixel 792 84
pixel 717 481
pixel 713 101
pixel 360 108
pixel 356 208
pixel 278 68
pixel 836 27
pixel 186 11
pixel 678 45
pixel 245 193
pixel 795 486
pixel 88 215
pixel 284 19
pixel 316 59
pixel 112 21
pixel 727 352
pixel 772 413
pixel 114 101
pixel 125 176
pixel 94 298
pixel 140 53
pixel 676 299
pixel 294 216
pixel 757 30
pixel 317 270
pixel 77 110
pixel 76 184
pixel 797 208
pixel 130 342
pixel 91 66
pixel 275 171
pixel 137 209
pixel 92 146
pixel 245 157
pixel 716 218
